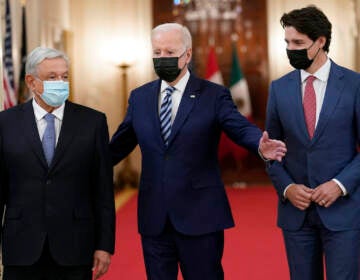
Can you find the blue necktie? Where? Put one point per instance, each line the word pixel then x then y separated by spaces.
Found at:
pixel 165 115
pixel 49 138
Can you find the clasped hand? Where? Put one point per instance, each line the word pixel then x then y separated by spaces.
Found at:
pixel 324 195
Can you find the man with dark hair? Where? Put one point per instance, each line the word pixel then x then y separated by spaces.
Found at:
pixel 315 110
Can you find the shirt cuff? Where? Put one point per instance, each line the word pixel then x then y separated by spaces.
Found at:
pixel 341 186
pixel 262 157
pixel 284 193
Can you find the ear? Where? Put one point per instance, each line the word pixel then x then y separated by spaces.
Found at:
pixel 30 82
pixel 188 55
pixel 322 41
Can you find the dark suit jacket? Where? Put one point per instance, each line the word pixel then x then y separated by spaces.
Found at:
pixel 182 181
pixel 71 202
pixel 332 152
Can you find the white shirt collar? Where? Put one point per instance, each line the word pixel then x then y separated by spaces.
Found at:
pixel 180 86
pixel 322 73
pixel 40 112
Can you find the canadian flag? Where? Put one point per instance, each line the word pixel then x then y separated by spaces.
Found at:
pixel 213 73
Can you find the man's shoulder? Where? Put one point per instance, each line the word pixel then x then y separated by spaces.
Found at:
pixel 294 74
pixel 207 83
pixel 11 112
pixel 79 108
pixel 341 70
pixel 148 86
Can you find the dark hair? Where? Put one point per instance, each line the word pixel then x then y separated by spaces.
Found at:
pixel 310 21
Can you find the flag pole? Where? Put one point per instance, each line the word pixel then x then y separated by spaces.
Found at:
pixel 2 4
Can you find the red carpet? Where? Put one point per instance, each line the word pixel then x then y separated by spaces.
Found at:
pixel 253 249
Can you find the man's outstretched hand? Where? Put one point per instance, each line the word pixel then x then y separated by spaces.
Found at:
pixel 271 149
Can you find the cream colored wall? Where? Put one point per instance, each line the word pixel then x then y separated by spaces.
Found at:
pixel 105 34
pixel 45 20
pixel 341 14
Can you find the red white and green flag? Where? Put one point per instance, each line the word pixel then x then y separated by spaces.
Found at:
pixel 239 87
pixel 213 73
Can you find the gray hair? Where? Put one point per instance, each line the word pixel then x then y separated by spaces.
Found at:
pixel 38 55
pixel 175 26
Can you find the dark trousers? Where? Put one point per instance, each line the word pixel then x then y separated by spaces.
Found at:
pixel 47 269
pixel 199 257
pixel 313 244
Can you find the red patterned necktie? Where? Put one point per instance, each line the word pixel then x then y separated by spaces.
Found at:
pixel 309 104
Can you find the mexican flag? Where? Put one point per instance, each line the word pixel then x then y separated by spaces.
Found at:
pixel 239 87
pixel 226 146
pixel 213 73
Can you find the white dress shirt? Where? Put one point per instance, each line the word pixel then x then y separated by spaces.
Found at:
pixel 41 122
pixel 176 95
pixel 320 83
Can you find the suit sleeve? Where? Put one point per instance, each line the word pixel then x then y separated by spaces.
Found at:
pixel 104 192
pixel 276 170
pixel 3 184
pixel 350 176
pixel 124 139
pixel 236 126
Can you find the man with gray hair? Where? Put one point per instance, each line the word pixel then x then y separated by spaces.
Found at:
pixel 177 121
pixel 55 180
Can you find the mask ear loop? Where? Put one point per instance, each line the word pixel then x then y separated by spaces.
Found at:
pixel 316 52
pixel 182 56
pixel 186 62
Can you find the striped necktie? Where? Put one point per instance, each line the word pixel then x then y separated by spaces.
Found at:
pixel 165 115
pixel 49 138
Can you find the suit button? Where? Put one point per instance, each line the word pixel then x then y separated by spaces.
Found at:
pixel 48 182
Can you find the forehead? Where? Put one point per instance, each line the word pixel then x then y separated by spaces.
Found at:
pixel 291 34
pixel 56 65
pixel 170 39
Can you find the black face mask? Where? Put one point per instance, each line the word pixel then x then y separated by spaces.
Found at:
pixel 167 68
pixel 299 58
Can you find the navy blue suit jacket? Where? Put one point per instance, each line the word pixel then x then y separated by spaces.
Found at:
pixel 332 152
pixel 71 203
pixel 182 181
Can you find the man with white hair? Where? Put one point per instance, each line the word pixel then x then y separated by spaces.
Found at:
pixel 177 121
pixel 55 180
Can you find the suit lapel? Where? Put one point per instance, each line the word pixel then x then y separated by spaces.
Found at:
pixel 67 132
pixel 32 132
pixel 187 102
pixel 333 92
pixel 154 110
pixel 294 90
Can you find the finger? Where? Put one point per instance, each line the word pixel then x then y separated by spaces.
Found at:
pixel 308 190
pixel 265 136
pixel 316 196
pixel 282 149
pixel 328 203
pixel 97 274
pixel 95 264
pixel 100 270
pixel 302 205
